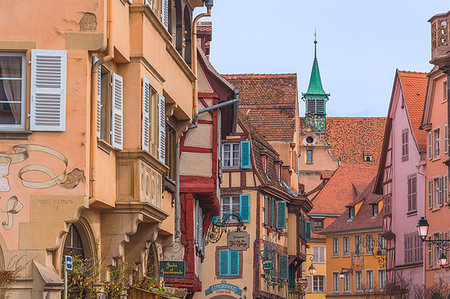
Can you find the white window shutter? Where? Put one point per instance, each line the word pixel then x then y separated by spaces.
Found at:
pixel 99 101
pixel 322 254
pixel 48 90
pixel 162 128
pixel 117 112
pixel 145 114
pixel 149 3
pixel 165 13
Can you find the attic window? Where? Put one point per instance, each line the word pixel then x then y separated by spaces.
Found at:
pixel 368 158
pixel 351 213
pixel 374 210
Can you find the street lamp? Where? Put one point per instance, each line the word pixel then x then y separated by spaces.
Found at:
pixel 341 275
pixel 422 228
pixel 312 269
pixel 442 260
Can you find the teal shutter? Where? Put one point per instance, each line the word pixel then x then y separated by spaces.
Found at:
pixel 302 229
pixel 266 209
pixel 223 262
pixel 281 214
pixel 245 207
pixel 308 231
pixel 245 154
pixel 234 263
pixel 272 210
pixel 283 260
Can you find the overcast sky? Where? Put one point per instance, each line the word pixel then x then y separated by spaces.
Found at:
pixel 360 44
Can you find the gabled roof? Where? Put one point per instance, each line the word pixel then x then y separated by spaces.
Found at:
pixel 269 102
pixel 363 218
pixel 352 137
pixel 414 87
pixel 340 190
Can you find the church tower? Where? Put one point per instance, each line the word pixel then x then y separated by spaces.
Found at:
pixel 315 98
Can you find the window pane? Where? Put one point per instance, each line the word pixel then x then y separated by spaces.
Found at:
pixel 10 67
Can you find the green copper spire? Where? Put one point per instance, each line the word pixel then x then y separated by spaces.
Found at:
pixel 315 83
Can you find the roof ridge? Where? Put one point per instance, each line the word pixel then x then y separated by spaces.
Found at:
pixel 261 74
pixel 412 72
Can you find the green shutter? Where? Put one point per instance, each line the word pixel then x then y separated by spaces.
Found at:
pixel 245 207
pixel 245 154
pixel 234 263
pixel 308 231
pixel 272 210
pixel 283 260
pixel 281 214
pixel 266 209
pixel 223 262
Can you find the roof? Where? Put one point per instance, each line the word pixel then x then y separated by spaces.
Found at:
pixel 269 103
pixel 315 82
pixel 414 86
pixel 350 138
pixel 363 219
pixel 340 190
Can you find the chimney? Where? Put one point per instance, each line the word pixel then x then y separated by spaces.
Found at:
pixel 204 34
pixel 286 174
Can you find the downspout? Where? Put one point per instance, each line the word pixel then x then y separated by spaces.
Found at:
pixel 177 198
pixel 94 76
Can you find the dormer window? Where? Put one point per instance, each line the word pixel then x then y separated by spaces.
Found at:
pixel 351 213
pixel 374 210
pixel 368 157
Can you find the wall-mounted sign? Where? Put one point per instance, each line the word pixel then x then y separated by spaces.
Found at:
pixel 267 264
pixel 171 269
pixel 223 285
pixel 238 241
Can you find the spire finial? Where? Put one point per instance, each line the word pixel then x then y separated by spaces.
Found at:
pixel 315 43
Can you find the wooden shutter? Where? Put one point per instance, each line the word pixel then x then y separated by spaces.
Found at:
pixel 430 145
pixel 445 189
pixel 409 194
pixel 266 209
pixel 48 90
pixel 430 194
pixel 307 230
pixel 283 264
pixel 99 102
pixel 245 154
pixel 234 263
pixel 272 211
pixel 245 207
pixel 315 253
pixel 145 114
pixel 446 139
pixel 309 282
pixel 165 13
pixel 117 111
pixel 322 258
pixel 281 214
pixel 223 262
pixel 441 193
pixel 162 128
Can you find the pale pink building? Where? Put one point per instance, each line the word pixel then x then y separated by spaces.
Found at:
pixel 401 180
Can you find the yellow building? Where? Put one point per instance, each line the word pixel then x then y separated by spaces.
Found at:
pixel 356 250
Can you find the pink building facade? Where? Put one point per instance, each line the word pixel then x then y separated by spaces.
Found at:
pixel 401 180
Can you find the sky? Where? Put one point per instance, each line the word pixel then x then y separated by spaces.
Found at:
pixel 360 44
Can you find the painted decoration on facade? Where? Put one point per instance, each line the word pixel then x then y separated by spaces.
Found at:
pixel 238 241
pixel 21 154
pixel 223 285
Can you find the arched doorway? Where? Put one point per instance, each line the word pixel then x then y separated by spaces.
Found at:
pixel 153 263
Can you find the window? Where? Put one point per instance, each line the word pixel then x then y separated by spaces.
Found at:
pixel 351 212
pixel 229 262
pixel 437 236
pixel 374 210
pixel 430 145
pixel 336 282
pixel 445 189
pixel 358 244
pixel 347 282
pixel 335 246
pixel 318 283
pixel 230 204
pixel 418 249
pixel 430 194
pixel 437 143
pixel 446 138
pixel 369 280
pixel 369 244
pixel 381 243
pixel 409 250
pixel 309 156
pixel 199 241
pixel 412 193
pixel 405 144
pixel 444 92
pixel 345 245
pixel 318 225
pixel 74 244
pixel 171 152
pixel 12 91
pixel 105 104
pixel 231 155
pixel 319 253
pixel 430 254
pixel 381 279
pixel 438 191
pixel 358 281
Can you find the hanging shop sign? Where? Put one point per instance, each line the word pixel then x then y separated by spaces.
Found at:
pixel 171 269
pixel 223 285
pixel 238 241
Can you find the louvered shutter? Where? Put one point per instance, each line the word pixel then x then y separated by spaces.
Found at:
pixel 165 13
pixel 162 128
pixel 266 209
pixel 245 154
pixel 430 145
pixel 307 230
pixel 283 260
pixel 245 207
pixel 145 114
pixel 309 282
pixel 99 102
pixel 281 214
pixel 322 258
pixel 234 263
pixel 117 111
pixel 430 194
pixel 315 253
pixel 149 3
pixel 272 211
pixel 48 90
pixel 223 262
pixel 197 220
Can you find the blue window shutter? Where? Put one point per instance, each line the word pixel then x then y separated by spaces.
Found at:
pixel 234 263
pixel 245 207
pixel 308 231
pixel 283 261
pixel 281 214
pixel 245 154
pixel 223 262
pixel 266 209
pixel 272 210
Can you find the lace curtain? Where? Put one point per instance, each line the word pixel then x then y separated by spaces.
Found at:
pixel 11 88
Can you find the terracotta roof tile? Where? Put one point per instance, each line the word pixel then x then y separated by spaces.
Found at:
pixel 340 190
pixel 268 101
pixel 414 87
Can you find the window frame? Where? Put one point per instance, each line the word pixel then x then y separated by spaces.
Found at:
pixel 231 157
pixel 23 91
pixel 335 247
pixel 321 226
pixel 358 246
pixel 444 91
pixel 381 286
pixel 218 275
pixel 230 197
pixel 412 193
pixel 345 253
pixel 437 142
pixel 318 290
pixel 309 158
pixel 347 278
pixel 370 244
pixel 336 282
pixel 405 144
pixel 358 287
pixel 446 138
pixel 372 286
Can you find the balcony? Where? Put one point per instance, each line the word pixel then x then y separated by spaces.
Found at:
pixel 440 48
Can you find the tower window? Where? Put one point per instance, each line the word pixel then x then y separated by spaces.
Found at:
pixel 320 107
pixel 309 156
pixel 309 139
pixel 311 106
